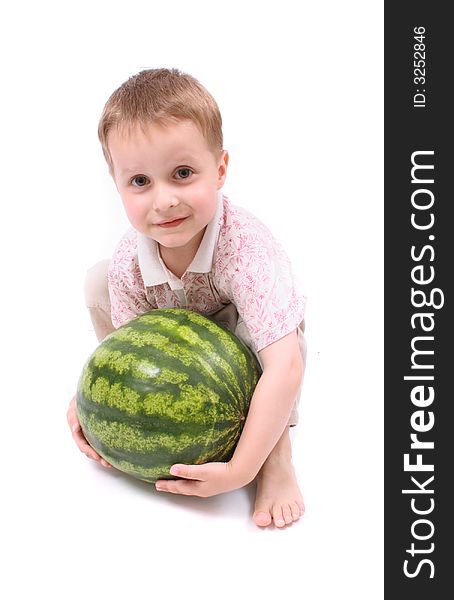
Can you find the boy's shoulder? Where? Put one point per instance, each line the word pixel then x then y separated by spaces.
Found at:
pixel 128 242
pixel 239 220
pixel 124 264
pixel 241 230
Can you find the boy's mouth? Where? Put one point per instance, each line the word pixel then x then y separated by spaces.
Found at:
pixel 172 223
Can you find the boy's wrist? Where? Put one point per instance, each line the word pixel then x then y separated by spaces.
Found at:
pixel 241 473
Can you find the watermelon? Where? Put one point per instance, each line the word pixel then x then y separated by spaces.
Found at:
pixel 170 386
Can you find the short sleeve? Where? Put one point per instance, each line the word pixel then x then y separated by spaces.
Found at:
pixel 263 287
pixel 126 288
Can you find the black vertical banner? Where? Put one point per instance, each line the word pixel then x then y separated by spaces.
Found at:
pixel 419 269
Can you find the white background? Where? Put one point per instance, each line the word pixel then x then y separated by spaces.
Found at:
pixel 299 85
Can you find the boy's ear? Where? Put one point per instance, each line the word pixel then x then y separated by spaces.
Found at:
pixel 222 168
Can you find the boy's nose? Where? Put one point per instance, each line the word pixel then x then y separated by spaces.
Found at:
pixel 163 197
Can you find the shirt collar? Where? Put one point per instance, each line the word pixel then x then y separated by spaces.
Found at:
pixel 151 266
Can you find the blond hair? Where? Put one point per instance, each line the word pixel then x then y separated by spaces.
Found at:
pixel 162 96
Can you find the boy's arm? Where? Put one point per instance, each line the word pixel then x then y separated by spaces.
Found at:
pixel 271 405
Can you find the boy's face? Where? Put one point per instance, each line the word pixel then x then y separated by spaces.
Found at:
pixel 167 178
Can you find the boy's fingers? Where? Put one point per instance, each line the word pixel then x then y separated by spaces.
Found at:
pixel 90 453
pixel 78 436
pixel 195 472
pixel 81 441
pixel 85 447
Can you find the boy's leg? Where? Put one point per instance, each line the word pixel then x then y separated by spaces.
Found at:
pixel 97 299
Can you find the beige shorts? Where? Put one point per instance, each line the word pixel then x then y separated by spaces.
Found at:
pixel 98 304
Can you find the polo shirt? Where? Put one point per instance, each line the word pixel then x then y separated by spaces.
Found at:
pixel 238 261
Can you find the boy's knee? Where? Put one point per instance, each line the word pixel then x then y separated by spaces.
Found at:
pixel 96 288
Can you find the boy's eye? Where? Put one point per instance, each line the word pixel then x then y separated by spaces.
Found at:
pixel 140 180
pixel 184 173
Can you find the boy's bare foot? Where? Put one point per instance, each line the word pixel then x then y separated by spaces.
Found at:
pixel 278 496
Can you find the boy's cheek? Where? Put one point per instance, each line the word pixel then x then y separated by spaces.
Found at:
pixel 135 211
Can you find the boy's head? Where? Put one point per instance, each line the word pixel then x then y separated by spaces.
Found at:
pixel 162 138
pixel 161 96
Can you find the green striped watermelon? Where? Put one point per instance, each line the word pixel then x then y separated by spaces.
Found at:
pixel 170 386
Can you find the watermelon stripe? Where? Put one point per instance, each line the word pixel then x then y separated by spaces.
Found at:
pixel 217 335
pixel 206 362
pixel 207 330
pixel 162 422
pixel 164 376
pixel 123 436
pixel 117 442
pixel 200 401
pixel 145 368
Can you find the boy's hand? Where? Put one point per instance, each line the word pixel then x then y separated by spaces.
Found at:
pixel 79 437
pixel 202 480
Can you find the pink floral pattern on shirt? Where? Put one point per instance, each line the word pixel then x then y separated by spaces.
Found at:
pixel 250 269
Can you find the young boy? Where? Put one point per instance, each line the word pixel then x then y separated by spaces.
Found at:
pixel 189 247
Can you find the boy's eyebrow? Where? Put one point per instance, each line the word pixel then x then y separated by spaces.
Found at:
pixel 129 170
pixel 185 158
pixel 179 158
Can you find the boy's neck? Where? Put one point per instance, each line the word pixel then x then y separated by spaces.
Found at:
pixel 177 260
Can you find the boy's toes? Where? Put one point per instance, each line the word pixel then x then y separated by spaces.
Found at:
pixel 287 513
pixel 278 517
pixel 297 512
pixel 262 518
